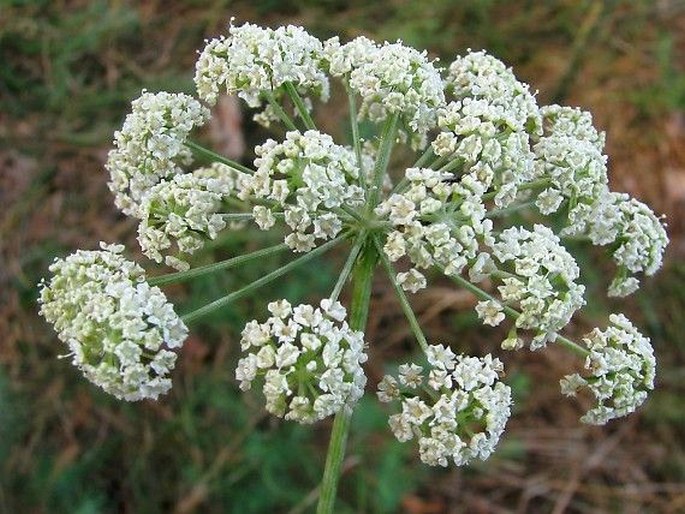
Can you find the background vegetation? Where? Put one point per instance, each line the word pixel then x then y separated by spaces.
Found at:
pixel 68 70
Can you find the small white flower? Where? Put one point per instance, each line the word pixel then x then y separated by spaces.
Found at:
pixel 411 281
pixel 490 312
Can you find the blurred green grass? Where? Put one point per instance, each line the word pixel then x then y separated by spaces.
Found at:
pixel 68 70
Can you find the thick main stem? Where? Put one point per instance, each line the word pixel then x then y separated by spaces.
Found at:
pixel 359 310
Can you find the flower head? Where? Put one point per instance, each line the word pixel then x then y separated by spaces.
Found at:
pixel 187 210
pixel 636 235
pixel 150 145
pixel 306 178
pixel 390 79
pixel 621 369
pixel 309 359
pixel 119 329
pixel 540 277
pixel 570 156
pixel 256 62
pixel 463 416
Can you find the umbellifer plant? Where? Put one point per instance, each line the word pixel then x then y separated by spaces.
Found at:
pixel 484 149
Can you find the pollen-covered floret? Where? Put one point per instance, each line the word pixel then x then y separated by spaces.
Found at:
pixel 308 357
pixel 456 411
pixel 635 234
pixel 150 145
pixel 537 275
pixel 119 329
pixel 256 62
pixel 186 210
pixel 390 79
pixel 306 178
pixel 621 369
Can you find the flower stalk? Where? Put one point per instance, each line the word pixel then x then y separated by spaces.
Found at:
pixel 359 311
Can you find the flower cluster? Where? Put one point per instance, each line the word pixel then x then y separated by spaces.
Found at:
pixel 457 411
pixel 621 368
pixel 489 150
pixel 256 62
pixel 306 178
pixel 637 237
pixel 569 156
pixel 481 76
pixel 150 145
pixel 391 79
pixel 309 358
pixel 487 129
pixel 119 329
pixel 435 222
pixel 539 276
pixel 480 137
pixel 186 209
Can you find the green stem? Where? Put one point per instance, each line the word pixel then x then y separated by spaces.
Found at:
pixel 356 140
pixel 455 163
pixel 222 302
pixel 543 182
pixel 381 165
pixel 359 310
pixel 439 162
pixel 201 150
pixel 282 115
pixel 496 213
pixel 400 186
pixel 402 297
pixel 513 313
pixel 347 268
pixel 214 267
pixel 424 158
pixel 300 106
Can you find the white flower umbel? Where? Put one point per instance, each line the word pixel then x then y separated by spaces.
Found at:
pixel 309 359
pixel 479 137
pixel 186 210
pixel 570 157
pixel 457 411
pixel 307 178
pixel 636 236
pixel 539 276
pixel 150 145
pixel 390 79
pixel 257 62
pixel 435 221
pixel 621 369
pixel 481 76
pixel 119 329
pixel 486 131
